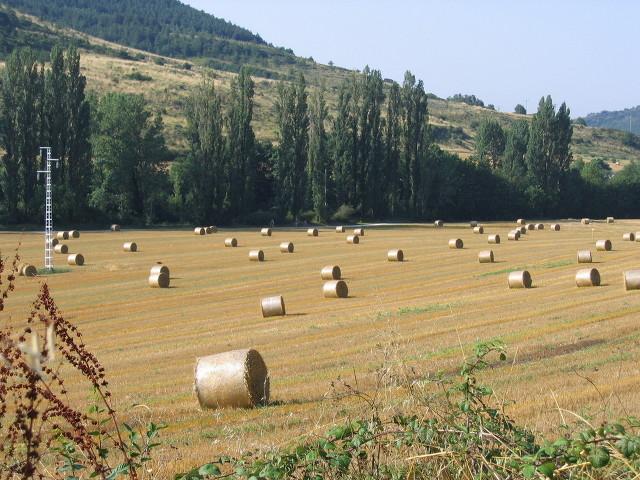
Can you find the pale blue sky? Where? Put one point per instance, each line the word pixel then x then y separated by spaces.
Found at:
pixel 503 51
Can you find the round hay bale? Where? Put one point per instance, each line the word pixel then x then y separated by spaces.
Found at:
pixel 74 234
pixel 494 239
pixel 395 255
pixel 62 235
pixel 312 232
pixel 631 279
pixel 604 245
pixel 359 232
pixel 272 306
pixel 486 256
pixel 212 229
pixel 61 248
pixel 610 220
pixel 522 230
pixel 629 237
pixel 130 247
pixel 521 221
pixel 539 226
pixel 555 227
pixel 54 242
pixel 335 289
pixel 479 230
pixel 588 277
pixel 115 227
pixel 353 239
pixel 340 229
pixel 28 270
pixel 236 379
pixel 75 259
pixel 585 221
pixel 231 242
pixel 584 256
pixel 256 256
pixel 331 272
pixel 530 226
pixel 439 223
pixel 199 231
pixel 159 280
pixel 514 235
pixel 519 279
pixel 208 230
pixel 265 232
pixel 286 247
pixel 456 243
pixel 158 269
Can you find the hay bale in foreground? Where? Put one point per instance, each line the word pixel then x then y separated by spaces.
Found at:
pixel 237 379
pixel 359 232
pixel 74 234
pixel 231 242
pixel 158 269
pixel 75 259
pixel 539 226
pixel 256 256
pixel 588 277
pixel 584 256
pixel 585 221
pixel 631 279
pixel 555 227
pixel 312 232
pixel 27 270
pixel 610 220
pixel 130 247
pixel 266 232
pixel 335 289
pixel 485 256
pixel 519 279
pixel 629 237
pixel 395 255
pixel 604 245
pixel 199 231
pixel 159 280
pixel 438 223
pixel 340 229
pixel 456 243
pixel 272 306
pixel 331 272
pixel 521 221
pixel 495 239
pixel 478 230
pixel 62 235
pixel 514 235
pixel 353 239
pixel 61 248
pixel 286 247
pixel 115 227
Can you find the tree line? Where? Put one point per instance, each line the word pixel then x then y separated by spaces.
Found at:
pixel 374 157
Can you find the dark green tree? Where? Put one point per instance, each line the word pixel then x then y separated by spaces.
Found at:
pixel 490 143
pixel 514 165
pixel 392 139
pixel 344 141
pixel 520 110
pixel 318 170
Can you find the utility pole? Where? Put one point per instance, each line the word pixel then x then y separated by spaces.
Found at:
pixel 48 210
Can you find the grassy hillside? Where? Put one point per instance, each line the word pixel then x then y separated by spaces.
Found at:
pixel 625 120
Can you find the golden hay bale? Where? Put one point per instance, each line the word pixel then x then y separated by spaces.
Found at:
pixel 604 245
pixel 514 235
pixel 230 242
pixel 519 279
pixel 130 247
pixel 62 235
pixel 265 232
pixel 522 230
pixel 588 277
pixel 236 379
pixel 335 289
pixel 585 221
pixel 54 242
pixel 637 236
pixel 272 306
pixel 75 259
pixel 555 227
pixel 115 227
pixel 395 255
pixel 158 269
pixel 631 279
pixel 439 223
pixel 27 270
pixel 610 220
pixel 159 280
pixel 530 226
pixel 208 230
pixel 353 239
pixel 340 229
pixel 312 232
pixel 359 232
pixel 494 239
pixel 286 247
pixel 61 248
pixel 584 256
pixel 199 231
pixel 212 229
pixel 486 256
pixel 74 234
pixel 456 243
pixel 629 237
pixel 473 223
pixel 539 226
pixel 331 272
pixel 256 256
pixel 521 221
pixel 479 230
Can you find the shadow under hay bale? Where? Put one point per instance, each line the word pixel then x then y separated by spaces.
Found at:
pixel 631 280
pixel 584 256
pixel 396 255
pixel 159 280
pixel 494 239
pixel 158 269
pixel 456 243
pixel 520 279
pixel 588 277
pixel 353 239
pixel 272 306
pixel 256 256
pixel 479 230
pixel 331 272
pixel 231 242
pixel 286 247
pixel 130 247
pixel 61 248
pixel 485 256
pixel 75 259
pixel 237 379
pixel 266 232
pixel 312 232
pixel 604 245
pixel 335 289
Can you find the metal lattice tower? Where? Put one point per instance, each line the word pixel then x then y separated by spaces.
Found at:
pixel 48 210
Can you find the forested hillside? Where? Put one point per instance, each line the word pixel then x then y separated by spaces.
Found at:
pixel 625 120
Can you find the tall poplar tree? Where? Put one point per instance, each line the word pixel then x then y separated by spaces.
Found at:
pixel 318 169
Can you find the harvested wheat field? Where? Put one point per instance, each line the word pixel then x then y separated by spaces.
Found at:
pixel 425 312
